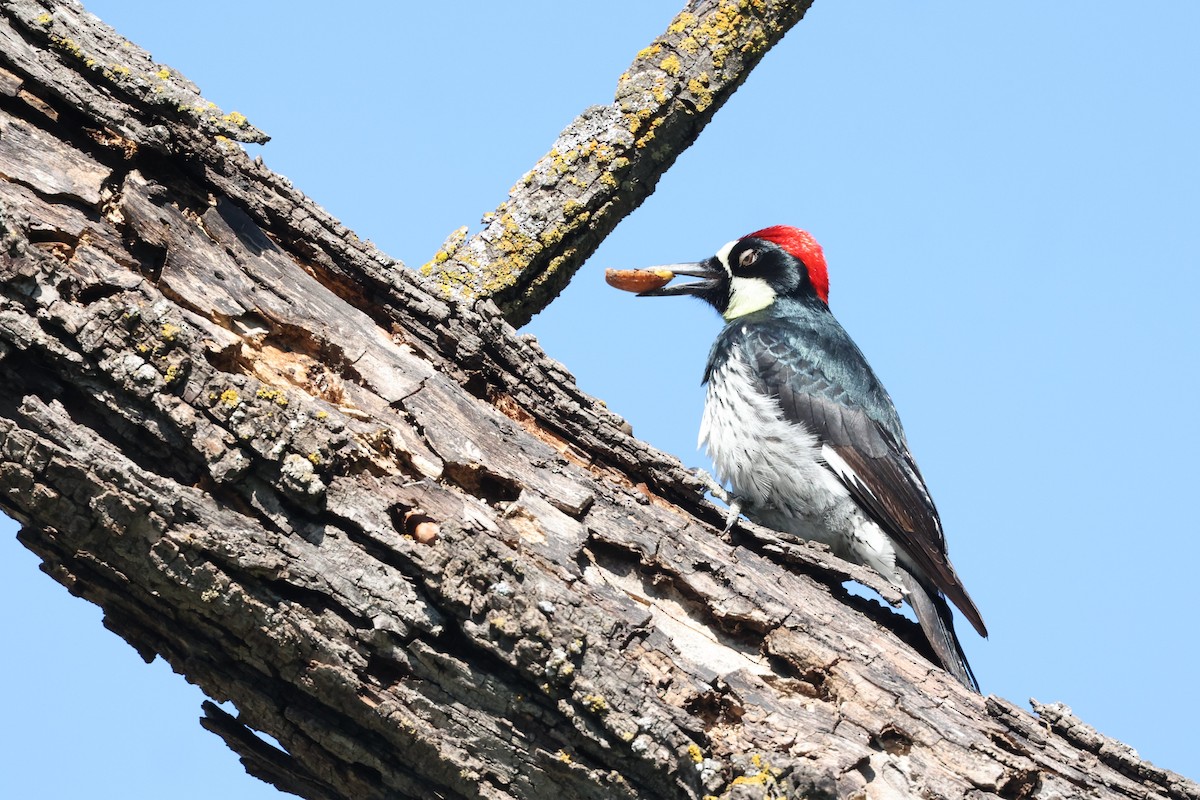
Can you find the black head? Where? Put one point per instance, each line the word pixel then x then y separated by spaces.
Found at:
pixel 748 274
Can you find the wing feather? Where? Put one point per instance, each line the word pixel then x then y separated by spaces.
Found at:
pixel 865 450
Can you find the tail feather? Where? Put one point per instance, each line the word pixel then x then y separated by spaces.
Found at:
pixel 937 623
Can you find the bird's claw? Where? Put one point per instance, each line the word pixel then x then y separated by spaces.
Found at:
pixel 728 498
pixel 711 486
pixel 731 516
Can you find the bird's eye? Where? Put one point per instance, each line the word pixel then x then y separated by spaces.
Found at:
pixel 747 258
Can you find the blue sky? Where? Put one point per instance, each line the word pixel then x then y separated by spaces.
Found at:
pixel 1007 197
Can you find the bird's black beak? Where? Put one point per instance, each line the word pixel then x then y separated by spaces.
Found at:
pixel 710 272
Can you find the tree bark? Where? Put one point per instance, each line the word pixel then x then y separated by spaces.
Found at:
pixel 392 531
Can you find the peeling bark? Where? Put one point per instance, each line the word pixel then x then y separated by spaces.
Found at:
pixel 390 529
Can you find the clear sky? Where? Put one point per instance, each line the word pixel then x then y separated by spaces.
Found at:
pixel 1007 197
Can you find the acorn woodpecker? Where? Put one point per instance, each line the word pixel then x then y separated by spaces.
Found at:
pixel 797 424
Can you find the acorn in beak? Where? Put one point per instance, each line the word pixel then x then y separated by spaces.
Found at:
pixel 653 281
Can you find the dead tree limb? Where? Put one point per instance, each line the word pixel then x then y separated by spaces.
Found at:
pixel 392 531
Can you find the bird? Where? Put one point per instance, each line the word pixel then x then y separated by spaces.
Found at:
pixel 797 424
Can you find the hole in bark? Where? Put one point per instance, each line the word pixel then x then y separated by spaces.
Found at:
pixel 809 682
pixel 483 483
pixel 424 529
pixel 715 708
pixel 892 740
pixel 1019 784
pixel 387 672
pixel 865 769
pixel 149 259
pixel 97 292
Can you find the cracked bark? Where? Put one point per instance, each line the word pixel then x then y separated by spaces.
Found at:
pixel 235 427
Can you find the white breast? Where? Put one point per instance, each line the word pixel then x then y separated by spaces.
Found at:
pixel 775 467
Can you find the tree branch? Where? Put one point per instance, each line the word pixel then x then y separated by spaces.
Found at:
pixel 610 158
pixel 394 533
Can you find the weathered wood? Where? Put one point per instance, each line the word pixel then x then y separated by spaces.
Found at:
pixel 223 419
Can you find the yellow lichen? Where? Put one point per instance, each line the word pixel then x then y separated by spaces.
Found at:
pixel 763 775
pixel 42 19
pixel 608 180
pixel 168 332
pixel 230 398
pixel 315 458
pixel 236 119
pixel 322 414
pixel 119 69
pixel 682 22
pixel 595 703
pixel 69 45
pixel 649 52
pixel 698 87
pixel 671 65
pixel 564 756
pixel 648 136
pixel 163 74
pixel 695 753
pixel 274 395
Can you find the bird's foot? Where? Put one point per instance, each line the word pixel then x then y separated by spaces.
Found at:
pixel 728 498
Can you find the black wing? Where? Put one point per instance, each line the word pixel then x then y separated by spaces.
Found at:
pixel 813 372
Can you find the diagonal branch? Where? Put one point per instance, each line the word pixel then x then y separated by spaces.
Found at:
pixel 610 158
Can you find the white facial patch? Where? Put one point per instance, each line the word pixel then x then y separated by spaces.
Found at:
pixel 747 295
pixel 723 257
